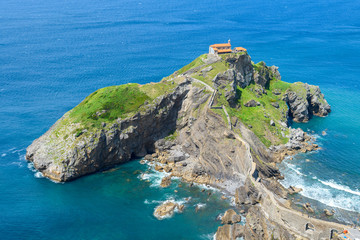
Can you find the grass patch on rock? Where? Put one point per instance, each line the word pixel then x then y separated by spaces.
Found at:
pixel 108 104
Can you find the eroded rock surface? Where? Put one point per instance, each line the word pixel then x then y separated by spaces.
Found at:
pixel 198 132
pixel 305 102
pixel 165 210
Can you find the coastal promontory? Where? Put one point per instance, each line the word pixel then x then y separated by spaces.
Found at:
pixel 221 120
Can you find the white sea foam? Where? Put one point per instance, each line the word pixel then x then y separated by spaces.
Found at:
pixel 14 150
pixel 206 187
pixel 3 155
pixel 209 236
pixel 19 164
pixel 153 177
pixel 152 201
pixel 31 167
pixel 295 169
pixel 172 200
pixel 38 175
pixel 344 188
pixel 326 192
pixel 201 205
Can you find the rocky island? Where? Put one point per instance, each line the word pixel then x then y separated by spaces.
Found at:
pixel 222 120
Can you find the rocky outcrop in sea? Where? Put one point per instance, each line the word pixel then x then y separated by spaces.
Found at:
pixel 221 121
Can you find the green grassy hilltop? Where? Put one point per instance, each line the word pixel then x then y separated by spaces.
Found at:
pixel 109 104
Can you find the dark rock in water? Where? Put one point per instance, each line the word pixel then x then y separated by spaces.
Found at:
pixel 181 207
pixel 199 206
pixel 165 209
pixel 252 103
pixel 308 208
pixel 230 217
pixel 293 190
pixel 165 182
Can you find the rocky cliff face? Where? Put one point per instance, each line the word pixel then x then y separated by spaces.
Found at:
pixel 305 102
pixel 202 134
pixel 199 124
pixel 112 144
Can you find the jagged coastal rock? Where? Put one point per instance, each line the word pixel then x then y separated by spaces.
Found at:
pixel 195 124
pixel 166 209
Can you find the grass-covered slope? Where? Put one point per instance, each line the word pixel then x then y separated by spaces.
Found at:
pixel 108 104
pixel 258 118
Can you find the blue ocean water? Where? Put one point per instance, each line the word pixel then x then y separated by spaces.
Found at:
pixel 54 53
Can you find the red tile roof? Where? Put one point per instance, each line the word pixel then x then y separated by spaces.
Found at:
pixel 220 45
pixel 240 49
pixel 225 51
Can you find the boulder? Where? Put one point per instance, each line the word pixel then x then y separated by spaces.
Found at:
pixel 252 103
pixel 176 155
pixel 275 104
pixel 204 71
pixel 148 157
pixel 304 101
pixel 230 217
pixel 159 168
pixel 165 182
pixel 272 123
pixel 164 210
pixel 293 190
pixel 229 232
pixel 181 207
pixel 223 80
pixel 276 92
pixel 262 75
pixel 329 213
pixel 243 68
pixel 308 208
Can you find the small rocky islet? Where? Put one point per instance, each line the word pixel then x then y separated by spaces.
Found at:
pixel 222 120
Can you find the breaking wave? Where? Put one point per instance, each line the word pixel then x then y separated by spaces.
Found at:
pixel 327 192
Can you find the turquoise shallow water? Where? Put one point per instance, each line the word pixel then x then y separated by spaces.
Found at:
pixel 54 53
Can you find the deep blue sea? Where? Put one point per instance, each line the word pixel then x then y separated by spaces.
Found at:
pixel 55 53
